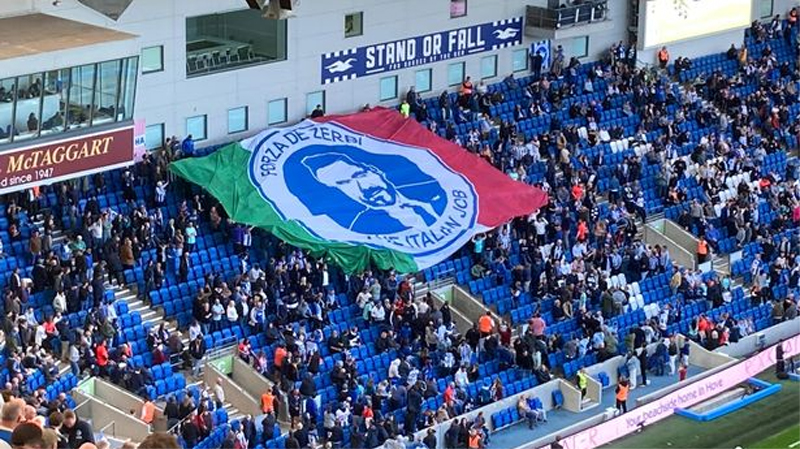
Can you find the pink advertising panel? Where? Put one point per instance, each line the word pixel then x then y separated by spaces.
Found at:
pixel 139 143
pixel 687 396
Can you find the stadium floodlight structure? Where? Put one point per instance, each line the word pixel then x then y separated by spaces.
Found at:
pixel 275 9
pixel 112 9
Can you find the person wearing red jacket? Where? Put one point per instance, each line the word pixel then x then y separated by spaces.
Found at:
pixel 101 354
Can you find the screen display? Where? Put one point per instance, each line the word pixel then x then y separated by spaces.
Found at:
pixel 669 21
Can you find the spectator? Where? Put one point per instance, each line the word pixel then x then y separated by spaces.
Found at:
pixel 622 395
pixel 317 112
pixel 77 430
pixel 187 146
pixel 663 58
pixel 148 412
pixel 10 417
pixel 159 440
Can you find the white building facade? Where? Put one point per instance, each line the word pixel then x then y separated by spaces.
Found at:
pixel 219 71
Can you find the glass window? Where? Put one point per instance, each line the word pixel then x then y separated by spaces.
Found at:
pixel 276 111
pixel 7 93
pixel 458 8
pixel 519 60
pixel 55 101
pixel 578 47
pixel 154 136
pixel 130 70
pixel 315 99
pixel 237 120
pixel 197 127
pixel 28 107
pixel 455 74
pixel 107 91
pixel 354 24
pixel 422 81
pixel 226 41
pixel 765 8
pixel 153 59
pixel 388 88
pixel 488 66
pixel 41 104
pixel 81 92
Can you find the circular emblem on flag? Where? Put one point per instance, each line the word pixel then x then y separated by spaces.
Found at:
pixel 543 48
pixel 345 186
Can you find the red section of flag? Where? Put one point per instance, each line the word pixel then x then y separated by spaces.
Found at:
pixel 500 198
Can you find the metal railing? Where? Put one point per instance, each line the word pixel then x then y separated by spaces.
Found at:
pixel 561 17
pixel 227 347
pixel 113 425
pixel 436 284
pixel 175 429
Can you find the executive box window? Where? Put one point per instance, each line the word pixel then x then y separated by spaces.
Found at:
pixel 422 82
pixel 519 60
pixel 226 41
pixel 388 88
pixel 458 8
pixel 237 120
pixel 197 127
pixel 154 136
pixel 314 99
pixel 578 47
pixel 765 8
pixel 455 74
pixel 153 59
pixel 488 67
pixel 276 111
pixel 58 101
pixel 354 24
pixel 106 91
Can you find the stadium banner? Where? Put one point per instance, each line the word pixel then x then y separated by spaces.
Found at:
pixel 420 50
pixel 688 396
pixel 543 48
pixel 45 163
pixel 369 187
pixel 139 139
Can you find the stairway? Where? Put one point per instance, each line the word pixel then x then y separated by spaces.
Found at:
pixel 125 293
pixel 587 403
pixel 128 294
pixel 721 264
pixel 233 412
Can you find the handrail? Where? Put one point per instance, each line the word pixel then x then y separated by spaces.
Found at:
pixel 113 425
pixel 555 18
pixel 226 346
pixel 178 424
pixel 85 401
pixel 435 284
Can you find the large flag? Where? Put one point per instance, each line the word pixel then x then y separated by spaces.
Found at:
pixel 369 187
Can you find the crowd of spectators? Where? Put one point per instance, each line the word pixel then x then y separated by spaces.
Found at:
pixel 569 254
pixel 588 249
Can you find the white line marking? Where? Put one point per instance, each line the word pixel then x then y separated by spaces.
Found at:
pixel 795 444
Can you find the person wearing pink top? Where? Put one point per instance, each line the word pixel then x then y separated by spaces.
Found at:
pixel 538 325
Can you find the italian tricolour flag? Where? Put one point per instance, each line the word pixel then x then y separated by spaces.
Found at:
pixel 362 189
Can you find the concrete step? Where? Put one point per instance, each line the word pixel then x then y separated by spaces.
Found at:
pixel 63 368
pixel 233 412
pixel 587 404
pixel 721 265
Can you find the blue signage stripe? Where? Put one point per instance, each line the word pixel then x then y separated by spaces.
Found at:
pixel 420 50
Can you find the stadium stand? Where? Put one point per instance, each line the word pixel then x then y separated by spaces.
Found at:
pixel 359 359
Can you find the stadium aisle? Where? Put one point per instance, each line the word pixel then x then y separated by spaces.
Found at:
pixel 519 434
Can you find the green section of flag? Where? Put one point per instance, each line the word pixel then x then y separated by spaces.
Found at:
pixel 224 174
